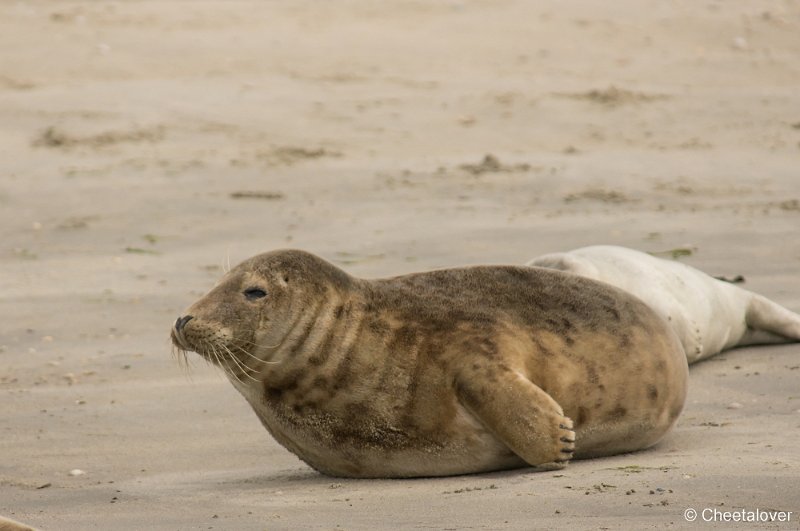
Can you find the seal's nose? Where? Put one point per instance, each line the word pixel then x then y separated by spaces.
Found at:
pixel 181 322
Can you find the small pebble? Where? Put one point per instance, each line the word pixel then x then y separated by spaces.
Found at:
pixel 76 472
pixel 734 405
pixel 740 43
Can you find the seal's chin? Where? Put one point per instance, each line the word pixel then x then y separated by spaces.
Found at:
pixel 182 346
pixel 178 341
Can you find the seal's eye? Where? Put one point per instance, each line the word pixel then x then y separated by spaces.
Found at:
pixel 254 293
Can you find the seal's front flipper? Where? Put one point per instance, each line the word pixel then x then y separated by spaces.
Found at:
pixel 520 414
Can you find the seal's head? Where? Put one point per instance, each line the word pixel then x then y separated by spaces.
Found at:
pixel 242 321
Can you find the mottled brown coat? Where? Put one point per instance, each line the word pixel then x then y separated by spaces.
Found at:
pixel 445 372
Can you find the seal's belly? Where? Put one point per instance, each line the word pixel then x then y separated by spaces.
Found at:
pixel 339 445
pixel 467 448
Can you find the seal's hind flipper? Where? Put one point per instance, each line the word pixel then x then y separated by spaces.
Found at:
pixel 769 322
pixel 520 414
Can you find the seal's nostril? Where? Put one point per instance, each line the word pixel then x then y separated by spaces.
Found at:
pixel 181 322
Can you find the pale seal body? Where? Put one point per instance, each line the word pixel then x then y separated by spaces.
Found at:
pixel 446 372
pixel 708 315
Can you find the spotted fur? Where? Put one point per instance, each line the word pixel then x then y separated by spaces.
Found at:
pixel 707 314
pixel 446 372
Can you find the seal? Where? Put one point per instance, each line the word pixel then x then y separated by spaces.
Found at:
pixel 708 315
pixel 445 372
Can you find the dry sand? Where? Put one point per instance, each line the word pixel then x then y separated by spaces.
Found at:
pixel 145 145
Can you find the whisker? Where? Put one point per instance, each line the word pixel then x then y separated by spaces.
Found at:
pixel 180 356
pixel 216 357
pixel 189 368
pixel 231 370
pixel 250 355
pixel 239 363
pixel 225 368
pixel 226 261
pixel 240 349
pixel 276 345
pixel 243 351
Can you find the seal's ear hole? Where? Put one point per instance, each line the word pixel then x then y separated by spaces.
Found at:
pixel 286 279
pixel 254 293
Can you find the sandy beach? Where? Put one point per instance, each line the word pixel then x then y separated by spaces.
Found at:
pixel 147 146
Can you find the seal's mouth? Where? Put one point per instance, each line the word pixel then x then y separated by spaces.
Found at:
pixel 177 333
pixel 216 348
pixel 180 347
pixel 179 341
